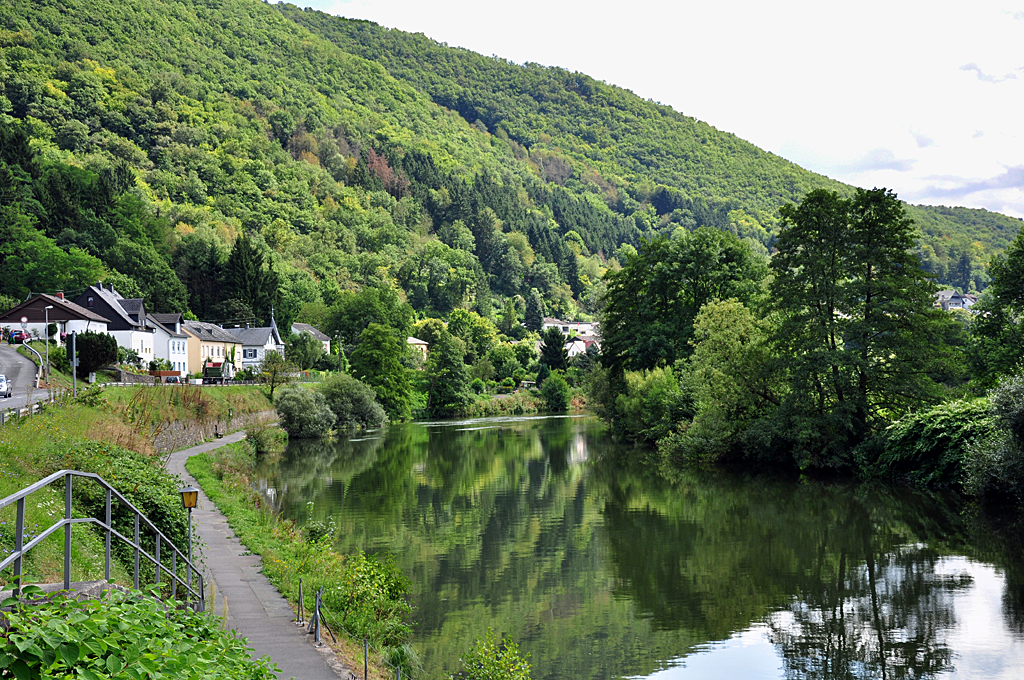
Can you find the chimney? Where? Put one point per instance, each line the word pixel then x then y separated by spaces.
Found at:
pixel 60 295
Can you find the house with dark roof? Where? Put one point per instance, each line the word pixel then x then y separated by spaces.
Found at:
pixel 210 342
pixel 298 328
pixel 256 342
pixel 126 318
pixel 68 317
pixel 170 342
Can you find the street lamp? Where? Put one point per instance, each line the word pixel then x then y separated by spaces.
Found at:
pixel 46 332
pixel 189 497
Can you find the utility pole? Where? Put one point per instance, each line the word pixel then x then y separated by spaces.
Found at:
pixel 46 332
pixel 74 366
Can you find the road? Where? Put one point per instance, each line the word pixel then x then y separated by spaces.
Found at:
pixel 22 374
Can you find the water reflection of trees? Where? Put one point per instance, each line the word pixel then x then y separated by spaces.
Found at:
pixel 601 570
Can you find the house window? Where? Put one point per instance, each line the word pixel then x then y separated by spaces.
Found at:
pixel 248 354
pixel 89 303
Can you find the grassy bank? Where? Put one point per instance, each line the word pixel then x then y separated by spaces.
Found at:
pixel 364 597
pixel 108 432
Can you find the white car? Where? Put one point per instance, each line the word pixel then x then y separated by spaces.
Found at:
pixel 5 387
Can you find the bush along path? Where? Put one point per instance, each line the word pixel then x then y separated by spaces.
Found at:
pixel 255 609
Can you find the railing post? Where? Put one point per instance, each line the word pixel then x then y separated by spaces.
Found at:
pixel 202 596
pixel 157 555
pixel 67 532
pixel 301 617
pixel 366 658
pixel 106 565
pixel 136 551
pixel 19 541
pixel 174 574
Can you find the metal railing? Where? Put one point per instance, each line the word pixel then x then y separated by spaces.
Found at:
pixel 16 557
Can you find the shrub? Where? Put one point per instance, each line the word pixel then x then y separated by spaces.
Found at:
pixel 493 659
pixel 353 403
pixel 261 436
pixel 122 635
pixel 304 413
pixel 556 393
pixel 650 406
pixel 95 350
pixel 477 385
pixel 929 447
pixel 995 464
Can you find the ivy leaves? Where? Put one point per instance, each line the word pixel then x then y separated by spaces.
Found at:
pixel 125 635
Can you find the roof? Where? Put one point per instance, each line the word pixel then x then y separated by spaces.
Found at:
pixel 117 303
pixel 58 303
pixel 312 330
pixel 152 322
pixel 416 341
pixel 168 317
pixel 209 331
pixel 253 336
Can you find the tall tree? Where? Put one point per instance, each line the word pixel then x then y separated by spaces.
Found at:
pixel 248 280
pixel 997 335
pixel 377 361
pixel 653 300
pixel 448 390
pixel 552 351
pixel 858 331
pixel 534 311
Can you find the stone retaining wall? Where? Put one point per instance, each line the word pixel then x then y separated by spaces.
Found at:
pixel 124 376
pixel 182 434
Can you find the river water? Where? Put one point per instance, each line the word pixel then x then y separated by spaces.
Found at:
pixel 535 527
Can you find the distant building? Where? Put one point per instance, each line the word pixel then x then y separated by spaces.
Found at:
pixel 586 329
pixel 68 317
pixel 170 342
pixel 420 345
pixel 298 328
pixel 950 299
pixel 256 342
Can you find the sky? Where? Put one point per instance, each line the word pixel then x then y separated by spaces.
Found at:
pixel 923 98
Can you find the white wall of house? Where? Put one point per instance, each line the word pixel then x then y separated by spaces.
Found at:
pixel 252 355
pixel 38 330
pixel 174 349
pixel 141 341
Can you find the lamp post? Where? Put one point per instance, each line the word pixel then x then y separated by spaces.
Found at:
pixel 46 332
pixel 189 497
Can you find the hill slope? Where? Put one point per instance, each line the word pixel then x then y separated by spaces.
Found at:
pixel 140 138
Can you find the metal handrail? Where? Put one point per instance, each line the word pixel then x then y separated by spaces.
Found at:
pixel 21 549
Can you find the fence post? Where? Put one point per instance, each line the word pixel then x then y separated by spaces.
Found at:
pixel 366 658
pixel 136 551
pixel 301 617
pixel 19 540
pixel 67 532
pixel 106 566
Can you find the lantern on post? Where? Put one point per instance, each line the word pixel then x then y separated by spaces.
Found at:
pixel 189 498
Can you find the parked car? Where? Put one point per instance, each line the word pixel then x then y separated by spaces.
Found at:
pixel 6 390
pixel 17 336
pixel 172 379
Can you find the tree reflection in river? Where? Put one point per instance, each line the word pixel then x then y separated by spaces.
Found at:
pixel 601 570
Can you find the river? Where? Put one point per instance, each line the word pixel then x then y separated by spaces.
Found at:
pixel 535 527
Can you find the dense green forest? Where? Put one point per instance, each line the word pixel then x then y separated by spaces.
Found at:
pixel 140 140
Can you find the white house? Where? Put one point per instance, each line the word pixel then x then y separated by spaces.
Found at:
pixel 587 329
pixel 66 315
pixel 420 345
pixel 298 328
pixel 256 342
pixel 126 318
pixel 170 342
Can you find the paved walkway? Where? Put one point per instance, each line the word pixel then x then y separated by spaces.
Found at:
pixel 256 610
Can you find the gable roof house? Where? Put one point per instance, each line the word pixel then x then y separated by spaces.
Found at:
pixel 126 318
pixel 256 342
pixel 170 342
pixel 298 328
pixel 208 341
pixel 67 316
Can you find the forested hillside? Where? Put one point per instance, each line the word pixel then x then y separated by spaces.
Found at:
pixel 141 139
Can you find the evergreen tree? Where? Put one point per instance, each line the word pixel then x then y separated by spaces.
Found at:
pixel 534 311
pixel 552 351
pixel 997 336
pixel 377 361
pixel 448 391
pixel 247 280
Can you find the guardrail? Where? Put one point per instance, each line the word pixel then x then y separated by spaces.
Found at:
pixel 16 557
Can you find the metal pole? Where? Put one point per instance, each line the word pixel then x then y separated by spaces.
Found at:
pixel 19 537
pixel 157 555
pixel 136 551
pixel 188 576
pixel 301 617
pixel 106 566
pixel 366 658
pixel 46 333
pixel 174 573
pixel 74 383
pixel 67 532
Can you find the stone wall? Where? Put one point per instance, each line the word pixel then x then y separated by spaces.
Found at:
pixel 124 376
pixel 182 434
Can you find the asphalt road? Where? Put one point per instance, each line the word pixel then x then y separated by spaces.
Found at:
pixel 22 374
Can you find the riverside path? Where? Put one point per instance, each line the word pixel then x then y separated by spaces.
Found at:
pixel 256 610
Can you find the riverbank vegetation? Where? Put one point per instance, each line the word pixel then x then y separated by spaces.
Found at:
pixel 830 358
